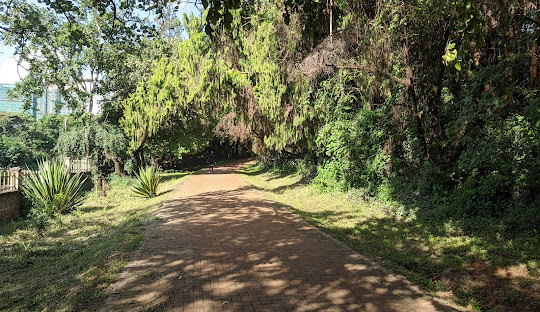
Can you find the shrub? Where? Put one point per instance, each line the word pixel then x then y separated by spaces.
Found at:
pixel 147 182
pixel 53 189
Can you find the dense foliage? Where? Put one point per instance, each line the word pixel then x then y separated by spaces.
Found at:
pixel 99 142
pixel 430 104
pixel 434 103
pixel 24 141
pixel 448 125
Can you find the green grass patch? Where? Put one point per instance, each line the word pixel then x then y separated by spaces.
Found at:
pixel 479 269
pixel 73 264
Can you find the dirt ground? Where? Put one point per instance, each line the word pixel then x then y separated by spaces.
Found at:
pixel 219 246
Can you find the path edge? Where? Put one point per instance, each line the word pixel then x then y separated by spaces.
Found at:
pixel 446 304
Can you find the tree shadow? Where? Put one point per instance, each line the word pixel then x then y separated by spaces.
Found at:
pixel 438 252
pixel 75 261
pixel 475 268
pixel 230 250
pixel 173 176
pixel 281 189
pixel 164 192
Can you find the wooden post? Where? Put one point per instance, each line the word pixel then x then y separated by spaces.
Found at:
pixel 2 182
pixel 14 178
pixel 67 162
pixel 103 188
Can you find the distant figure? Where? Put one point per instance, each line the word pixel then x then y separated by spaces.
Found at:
pixel 211 161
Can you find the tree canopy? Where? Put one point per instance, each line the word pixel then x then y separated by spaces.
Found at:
pixel 437 96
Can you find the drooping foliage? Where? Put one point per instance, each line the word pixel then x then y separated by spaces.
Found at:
pixel 433 98
pixel 173 111
pixel 97 141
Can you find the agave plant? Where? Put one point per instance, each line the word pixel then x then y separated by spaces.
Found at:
pixel 147 182
pixel 53 189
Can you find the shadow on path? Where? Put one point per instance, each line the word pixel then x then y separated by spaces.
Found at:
pixel 220 247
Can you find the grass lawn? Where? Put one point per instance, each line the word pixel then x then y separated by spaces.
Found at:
pixel 481 270
pixel 73 264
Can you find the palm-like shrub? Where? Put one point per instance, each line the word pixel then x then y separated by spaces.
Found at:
pixel 53 189
pixel 147 182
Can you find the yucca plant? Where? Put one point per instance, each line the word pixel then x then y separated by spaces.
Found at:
pixel 53 189
pixel 147 182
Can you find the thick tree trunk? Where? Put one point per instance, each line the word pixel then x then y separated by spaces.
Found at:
pixel 117 168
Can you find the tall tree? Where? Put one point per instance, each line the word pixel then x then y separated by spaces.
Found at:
pixel 68 44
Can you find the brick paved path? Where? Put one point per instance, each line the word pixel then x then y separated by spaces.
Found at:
pixel 221 247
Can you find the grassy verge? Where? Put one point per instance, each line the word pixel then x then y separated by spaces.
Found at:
pixel 71 266
pixel 480 270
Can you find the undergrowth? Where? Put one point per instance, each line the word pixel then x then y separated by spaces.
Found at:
pixel 472 262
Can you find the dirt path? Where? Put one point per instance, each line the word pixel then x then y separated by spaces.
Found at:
pixel 221 247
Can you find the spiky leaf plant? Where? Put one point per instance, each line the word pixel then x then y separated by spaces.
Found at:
pixel 53 189
pixel 147 182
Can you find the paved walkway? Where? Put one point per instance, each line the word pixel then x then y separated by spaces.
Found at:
pixel 222 247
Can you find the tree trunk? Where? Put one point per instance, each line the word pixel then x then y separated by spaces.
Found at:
pixel 117 164
pixel 138 153
pixel 533 67
pixel 409 83
pixel 103 188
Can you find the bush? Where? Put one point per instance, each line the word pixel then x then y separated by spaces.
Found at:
pixel 52 189
pixel 332 175
pixel 147 182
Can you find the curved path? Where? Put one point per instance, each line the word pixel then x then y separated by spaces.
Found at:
pixel 219 246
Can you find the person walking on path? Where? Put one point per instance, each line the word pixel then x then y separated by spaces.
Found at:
pixel 211 162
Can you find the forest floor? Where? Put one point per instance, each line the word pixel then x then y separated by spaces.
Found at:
pixel 219 245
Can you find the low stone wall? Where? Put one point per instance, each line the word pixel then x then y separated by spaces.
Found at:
pixel 10 205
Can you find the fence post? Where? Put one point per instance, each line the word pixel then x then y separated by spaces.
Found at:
pixel 14 178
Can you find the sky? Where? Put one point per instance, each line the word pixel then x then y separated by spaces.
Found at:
pixel 8 63
pixel 8 66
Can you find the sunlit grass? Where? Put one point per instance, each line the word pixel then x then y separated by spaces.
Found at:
pixel 80 255
pixel 480 269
